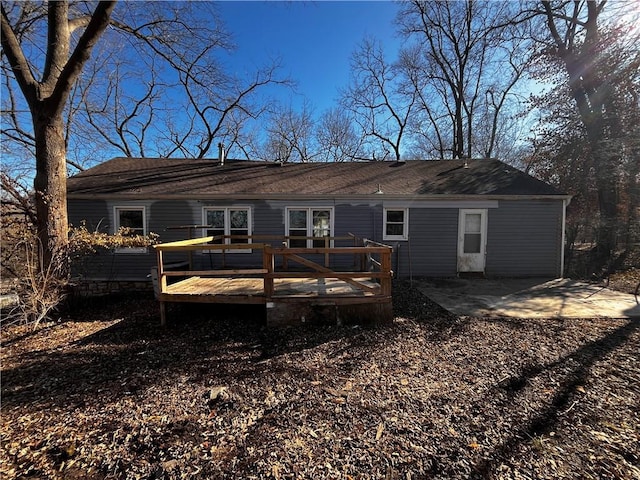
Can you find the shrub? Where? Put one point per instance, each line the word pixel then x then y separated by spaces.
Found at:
pixel 40 292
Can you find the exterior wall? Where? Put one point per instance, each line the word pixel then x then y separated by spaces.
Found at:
pixel 94 212
pixel 524 236
pixel 431 250
pixel 525 239
pixel 98 215
pixel 363 220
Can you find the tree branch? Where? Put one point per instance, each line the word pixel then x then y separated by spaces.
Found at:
pixel 98 23
pixel 57 45
pixel 17 60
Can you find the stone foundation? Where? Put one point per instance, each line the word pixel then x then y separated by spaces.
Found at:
pixel 280 314
pixel 96 288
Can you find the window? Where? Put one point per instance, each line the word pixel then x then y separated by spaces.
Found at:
pixel 396 224
pixel 133 219
pixel 309 222
pixel 227 221
pixel 472 233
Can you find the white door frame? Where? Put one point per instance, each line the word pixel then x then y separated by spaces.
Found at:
pixel 475 260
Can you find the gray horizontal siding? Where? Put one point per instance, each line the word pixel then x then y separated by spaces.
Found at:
pixel 432 246
pixel 525 238
pixel 362 220
pixel 114 265
pixel 93 213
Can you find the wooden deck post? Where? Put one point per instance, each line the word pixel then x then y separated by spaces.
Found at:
pixel 163 314
pixel 162 287
pixel 385 267
pixel 326 255
pixel 268 265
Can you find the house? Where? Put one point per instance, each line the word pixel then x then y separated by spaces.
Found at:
pixel 442 217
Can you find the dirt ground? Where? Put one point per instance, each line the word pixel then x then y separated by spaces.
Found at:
pixel 624 281
pixel 108 394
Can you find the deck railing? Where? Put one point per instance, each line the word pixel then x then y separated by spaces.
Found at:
pixel 380 271
pixel 370 260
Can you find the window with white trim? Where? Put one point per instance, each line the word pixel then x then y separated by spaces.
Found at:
pixel 134 220
pixel 396 224
pixel 227 221
pixel 316 222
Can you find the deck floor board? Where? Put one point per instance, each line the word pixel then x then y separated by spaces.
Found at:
pixel 242 287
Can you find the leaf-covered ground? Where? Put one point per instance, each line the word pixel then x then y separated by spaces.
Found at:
pixel 109 394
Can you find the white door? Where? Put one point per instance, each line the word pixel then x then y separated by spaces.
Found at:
pixel 472 240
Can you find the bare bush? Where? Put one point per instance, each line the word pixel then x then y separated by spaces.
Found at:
pixel 42 291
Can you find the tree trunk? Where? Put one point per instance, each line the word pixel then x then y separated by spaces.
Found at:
pixel 50 186
pixel 458 141
pixel 593 95
pixel 47 98
pixel 605 169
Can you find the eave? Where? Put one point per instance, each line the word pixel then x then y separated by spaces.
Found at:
pixel 297 197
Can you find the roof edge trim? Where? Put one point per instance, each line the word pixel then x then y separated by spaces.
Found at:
pixel 432 197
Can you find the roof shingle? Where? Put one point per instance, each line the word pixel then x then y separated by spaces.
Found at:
pixel 153 177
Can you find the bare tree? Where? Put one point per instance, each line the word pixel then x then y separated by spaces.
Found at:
pixel 158 87
pixel 46 92
pixel 337 139
pixel 289 135
pixel 464 65
pixel 185 100
pixel 597 82
pixel 380 107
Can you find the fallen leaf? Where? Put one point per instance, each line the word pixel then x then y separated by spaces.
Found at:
pixel 334 392
pixel 379 430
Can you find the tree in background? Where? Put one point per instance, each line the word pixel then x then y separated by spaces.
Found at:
pixel 590 134
pixel 377 102
pixel 463 66
pixel 337 138
pixel 290 135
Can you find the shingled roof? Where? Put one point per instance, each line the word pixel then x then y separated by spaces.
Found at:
pixel 188 178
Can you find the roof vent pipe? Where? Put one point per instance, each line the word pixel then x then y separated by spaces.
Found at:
pixel 221 153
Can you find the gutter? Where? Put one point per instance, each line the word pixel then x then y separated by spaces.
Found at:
pixel 318 196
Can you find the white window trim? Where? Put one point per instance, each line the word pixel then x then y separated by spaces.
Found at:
pixel 227 225
pixel 405 226
pixel 309 211
pixel 116 226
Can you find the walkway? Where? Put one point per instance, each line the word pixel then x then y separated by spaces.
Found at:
pixel 529 298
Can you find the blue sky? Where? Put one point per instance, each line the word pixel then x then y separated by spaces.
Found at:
pixel 314 40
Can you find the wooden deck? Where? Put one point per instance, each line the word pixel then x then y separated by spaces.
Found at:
pixel 315 285
pixel 238 290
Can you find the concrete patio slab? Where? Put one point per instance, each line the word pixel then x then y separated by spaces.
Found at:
pixel 529 298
